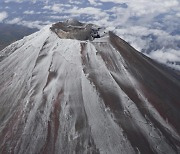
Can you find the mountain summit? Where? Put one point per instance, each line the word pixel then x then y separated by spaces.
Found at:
pixel 73 29
pixel 71 89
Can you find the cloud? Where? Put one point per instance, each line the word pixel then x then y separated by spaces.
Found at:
pixel 114 1
pixel 169 57
pixel 58 8
pixel 34 24
pixel 17 1
pixel 54 8
pixel 14 21
pixel 94 13
pixel 178 14
pixel 75 2
pixel 166 55
pixel 94 2
pixel 64 17
pixel 145 7
pixel 29 12
pixel 3 15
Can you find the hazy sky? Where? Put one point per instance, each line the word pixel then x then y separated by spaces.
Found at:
pixel 152 27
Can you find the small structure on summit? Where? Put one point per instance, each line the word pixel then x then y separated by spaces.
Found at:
pixel 73 29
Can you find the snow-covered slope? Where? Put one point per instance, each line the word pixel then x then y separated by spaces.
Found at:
pixel 69 96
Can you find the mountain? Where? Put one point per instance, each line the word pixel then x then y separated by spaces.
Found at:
pixel 12 33
pixel 158 37
pixel 76 88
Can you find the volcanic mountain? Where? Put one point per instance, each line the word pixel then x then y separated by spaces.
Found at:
pixel 75 88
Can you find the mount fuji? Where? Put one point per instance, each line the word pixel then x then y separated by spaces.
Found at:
pixel 77 88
